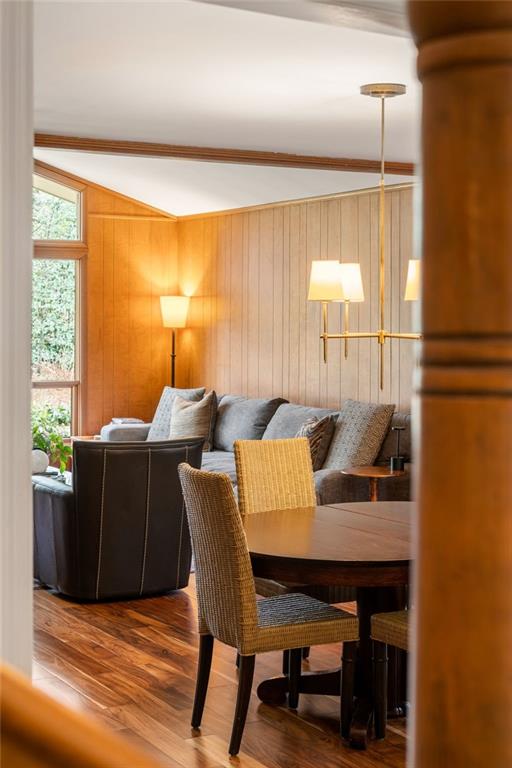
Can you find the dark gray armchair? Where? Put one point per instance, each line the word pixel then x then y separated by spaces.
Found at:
pixel 120 530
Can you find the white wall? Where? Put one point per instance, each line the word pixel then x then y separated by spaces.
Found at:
pixel 15 293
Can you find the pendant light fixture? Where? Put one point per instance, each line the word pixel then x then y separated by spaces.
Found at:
pixel 350 274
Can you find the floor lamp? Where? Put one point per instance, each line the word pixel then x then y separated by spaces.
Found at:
pixel 174 315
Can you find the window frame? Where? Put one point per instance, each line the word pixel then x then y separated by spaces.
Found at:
pixel 70 250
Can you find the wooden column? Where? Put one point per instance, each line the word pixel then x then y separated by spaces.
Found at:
pixel 463 669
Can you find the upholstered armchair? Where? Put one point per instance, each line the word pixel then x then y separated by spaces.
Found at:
pixel 120 530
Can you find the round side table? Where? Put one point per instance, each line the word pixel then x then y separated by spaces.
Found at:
pixel 373 474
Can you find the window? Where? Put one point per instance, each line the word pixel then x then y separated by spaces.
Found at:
pixel 55 210
pixel 55 303
pixel 54 348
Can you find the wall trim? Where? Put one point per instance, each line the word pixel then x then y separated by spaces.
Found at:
pixel 296 201
pixel 128 216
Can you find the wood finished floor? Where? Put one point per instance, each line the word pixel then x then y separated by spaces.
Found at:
pixel 131 665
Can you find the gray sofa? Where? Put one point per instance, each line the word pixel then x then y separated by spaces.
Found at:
pixel 253 418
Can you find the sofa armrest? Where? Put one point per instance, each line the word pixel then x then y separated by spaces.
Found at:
pixel 125 432
pixel 54 531
pixel 333 487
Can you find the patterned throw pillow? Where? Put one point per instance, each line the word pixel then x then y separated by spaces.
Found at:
pixel 359 434
pixel 159 429
pixel 319 432
pixel 194 419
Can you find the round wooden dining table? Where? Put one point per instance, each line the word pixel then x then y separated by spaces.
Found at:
pixel 364 545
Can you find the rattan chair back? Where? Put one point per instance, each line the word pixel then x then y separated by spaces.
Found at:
pixel 224 579
pixel 274 474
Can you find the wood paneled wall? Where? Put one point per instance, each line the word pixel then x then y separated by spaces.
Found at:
pixel 132 260
pixel 252 330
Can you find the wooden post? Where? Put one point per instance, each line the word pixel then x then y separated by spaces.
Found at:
pixel 463 669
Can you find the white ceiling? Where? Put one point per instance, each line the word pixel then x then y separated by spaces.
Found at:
pixel 386 16
pixel 183 187
pixel 201 74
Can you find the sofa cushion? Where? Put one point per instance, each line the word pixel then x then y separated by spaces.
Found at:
pixel 388 449
pixel 289 418
pixel 319 433
pixel 220 461
pixel 242 418
pixel 161 423
pixel 191 418
pixel 359 434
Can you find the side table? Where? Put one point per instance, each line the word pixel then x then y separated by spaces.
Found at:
pixel 373 474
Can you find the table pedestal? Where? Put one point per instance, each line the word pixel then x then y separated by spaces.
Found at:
pixel 370 600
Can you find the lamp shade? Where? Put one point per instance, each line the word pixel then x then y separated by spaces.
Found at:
pixel 174 311
pixel 325 281
pixel 412 286
pixel 351 282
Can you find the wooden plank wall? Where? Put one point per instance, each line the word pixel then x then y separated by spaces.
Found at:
pixel 130 263
pixel 252 331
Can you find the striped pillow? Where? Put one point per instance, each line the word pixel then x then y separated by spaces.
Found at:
pixel 194 419
pixel 319 432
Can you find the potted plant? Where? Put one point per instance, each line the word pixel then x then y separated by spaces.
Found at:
pixel 47 437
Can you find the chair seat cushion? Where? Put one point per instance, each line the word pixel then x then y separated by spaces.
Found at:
pixel 392 628
pixel 297 621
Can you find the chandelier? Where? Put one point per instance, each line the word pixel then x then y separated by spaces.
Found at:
pixel 332 281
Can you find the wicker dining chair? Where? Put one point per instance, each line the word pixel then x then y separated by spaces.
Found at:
pixel 278 474
pixel 228 609
pixel 386 629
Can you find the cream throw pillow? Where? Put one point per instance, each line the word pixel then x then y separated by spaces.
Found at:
pixel 194 419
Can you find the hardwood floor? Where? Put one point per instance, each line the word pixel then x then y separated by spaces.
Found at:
pixel 132 665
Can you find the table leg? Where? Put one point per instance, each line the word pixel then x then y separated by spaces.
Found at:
pixel 373 489
pixel 369 601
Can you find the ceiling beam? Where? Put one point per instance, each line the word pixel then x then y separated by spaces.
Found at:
pixel 217 155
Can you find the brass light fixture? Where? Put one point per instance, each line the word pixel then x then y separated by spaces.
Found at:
pixel 350 274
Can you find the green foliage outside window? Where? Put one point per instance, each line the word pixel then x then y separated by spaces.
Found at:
pixel 48 424
pixel 53 218
pixel 53 319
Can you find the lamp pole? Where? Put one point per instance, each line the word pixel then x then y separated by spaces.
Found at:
pixel 173 357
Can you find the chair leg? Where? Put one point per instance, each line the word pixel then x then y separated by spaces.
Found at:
pixel 305 652
pixel 286 662
pixel 242 702
pixel 347 686
pixel 203 676
pixel 294 677
pixel 380 665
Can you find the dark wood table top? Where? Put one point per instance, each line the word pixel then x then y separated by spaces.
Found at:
pixel 373 472
pixel 344 543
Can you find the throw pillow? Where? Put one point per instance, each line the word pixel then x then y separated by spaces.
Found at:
pixel 194 419
pixel 242 418
pixel 359 433
pixel 161 423
pixel 290 417
pixel 319 433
